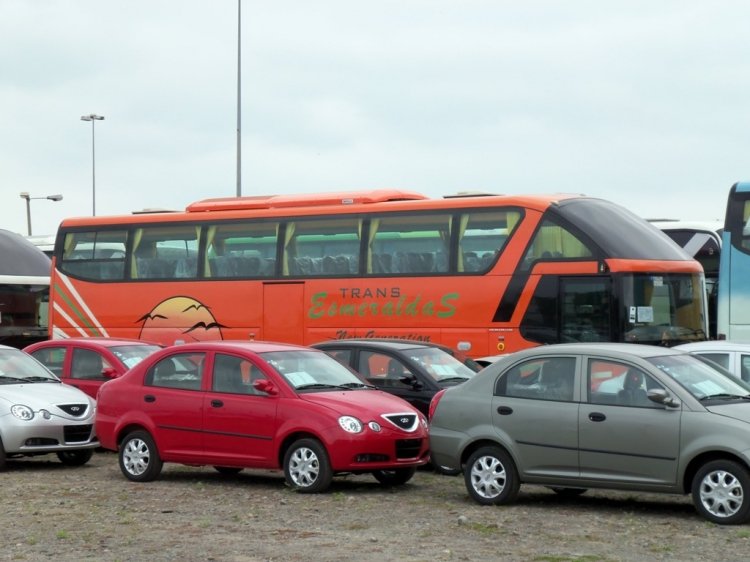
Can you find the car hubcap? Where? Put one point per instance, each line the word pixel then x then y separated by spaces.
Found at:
pixel 721 493
pixel 136 456
pixel 488 477
pixel 304 467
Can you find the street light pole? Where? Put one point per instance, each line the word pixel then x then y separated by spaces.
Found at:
pixel 93 117
pixel 25 195
pixel 239 98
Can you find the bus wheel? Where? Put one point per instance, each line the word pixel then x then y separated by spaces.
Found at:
pixel 306 466
pixel 139 459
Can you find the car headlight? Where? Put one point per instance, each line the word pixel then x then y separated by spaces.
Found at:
pixel 350 424
pixel 22 412
pixel 425 424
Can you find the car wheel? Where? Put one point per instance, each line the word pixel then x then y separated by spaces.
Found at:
pixel 75 458
pixel 567 492
pixel 306 466
pixel 139 459
pixel 491 477
pixel 721 492
pixel 228 470
pixel 394 477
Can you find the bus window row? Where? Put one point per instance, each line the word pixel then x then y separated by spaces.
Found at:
pixel 423 244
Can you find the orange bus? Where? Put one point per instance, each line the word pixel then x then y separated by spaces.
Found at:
pixel 482 274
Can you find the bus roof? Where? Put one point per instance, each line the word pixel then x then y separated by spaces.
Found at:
pixel 321 203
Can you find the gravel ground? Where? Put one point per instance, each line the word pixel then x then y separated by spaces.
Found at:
pixel 93 513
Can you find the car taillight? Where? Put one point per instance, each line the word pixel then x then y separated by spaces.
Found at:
pixel 434 403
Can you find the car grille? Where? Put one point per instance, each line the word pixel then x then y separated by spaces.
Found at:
pixel 407 422
pixel 408 448
pixel 77 433
pixel 76 410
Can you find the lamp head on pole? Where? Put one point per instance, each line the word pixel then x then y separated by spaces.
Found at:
pixel 92 117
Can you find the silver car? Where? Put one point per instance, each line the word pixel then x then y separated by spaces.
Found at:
pixel 40 415
pixel 619 416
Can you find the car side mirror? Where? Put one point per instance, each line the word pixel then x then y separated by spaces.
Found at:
pixel 412 381
pixel 661 396
pixel 109 372
pixel 264 385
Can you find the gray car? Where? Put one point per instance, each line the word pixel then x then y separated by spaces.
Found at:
pixel 40 415
pixel 618 416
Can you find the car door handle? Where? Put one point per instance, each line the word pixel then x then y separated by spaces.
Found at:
pixel 149 398
pixel 504 410
pixel 216 403
pixel 597 416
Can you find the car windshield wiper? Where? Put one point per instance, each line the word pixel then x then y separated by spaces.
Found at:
pixel 41 379
pixel 725 396
pixel 319 385
pixel 454 379
pixel 350 385
pixel 9 379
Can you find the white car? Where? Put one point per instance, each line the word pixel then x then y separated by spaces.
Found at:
pixel 733 356
pixel 40 415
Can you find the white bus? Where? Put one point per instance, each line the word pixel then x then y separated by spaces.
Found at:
pixel 24 291
pixel 702 241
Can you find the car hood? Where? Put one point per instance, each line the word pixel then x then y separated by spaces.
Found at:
pixel 42 395
pixel 737 410
pixel 369 404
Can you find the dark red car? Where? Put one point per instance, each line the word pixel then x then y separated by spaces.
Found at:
pixel 235 405
pixel 86 363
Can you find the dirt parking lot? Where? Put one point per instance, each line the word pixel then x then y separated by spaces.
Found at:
pixel 195 514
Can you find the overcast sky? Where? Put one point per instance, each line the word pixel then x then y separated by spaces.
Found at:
pixel 643 103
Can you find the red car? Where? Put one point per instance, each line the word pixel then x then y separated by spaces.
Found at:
pixel 86 363
pixel 235 405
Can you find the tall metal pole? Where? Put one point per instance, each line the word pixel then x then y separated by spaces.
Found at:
pixel 239 98
pixel 93 117
pixel 28 213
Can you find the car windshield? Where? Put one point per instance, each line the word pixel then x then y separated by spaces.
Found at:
pixel 441 366
pixel 700 378
pixel 312 370
pixel 131 355
pixel 17 367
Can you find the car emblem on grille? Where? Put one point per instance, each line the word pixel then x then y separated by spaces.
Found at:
pixel 403 420
pixel 75 409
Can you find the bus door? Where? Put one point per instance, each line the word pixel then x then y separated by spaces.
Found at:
pixel 585 309
pixel 284 312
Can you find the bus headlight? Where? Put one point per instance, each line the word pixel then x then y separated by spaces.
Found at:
pixel 350 424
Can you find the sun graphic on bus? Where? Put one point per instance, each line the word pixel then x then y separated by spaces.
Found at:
pixel 179 319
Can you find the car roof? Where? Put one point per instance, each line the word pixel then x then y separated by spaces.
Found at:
pixel 101 342
pixel 253 346
pixel 637 349
pixel 395 344
pixel 714 345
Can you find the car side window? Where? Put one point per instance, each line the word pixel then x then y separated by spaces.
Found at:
pixel 87 364
pixel 235 375
pixel 548 378
pixel 383 370
pixel 721 359
pixel 181 370
pixel 343 356
pixel 51 357
pixel 619 384
pixel 745 367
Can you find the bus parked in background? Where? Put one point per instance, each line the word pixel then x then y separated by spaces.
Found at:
pixel 702 241
pixel 24 291
pixel 733 316
pixel 483 274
